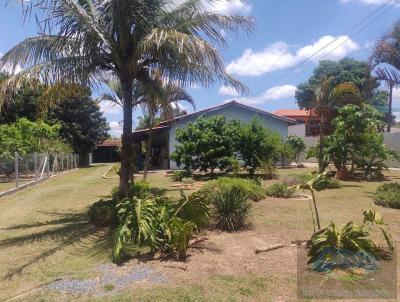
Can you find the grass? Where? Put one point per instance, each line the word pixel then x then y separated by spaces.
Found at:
pixel 44 235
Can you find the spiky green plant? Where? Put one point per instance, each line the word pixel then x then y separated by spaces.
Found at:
pixel 349 237
pixel 232 208
pixel 194 208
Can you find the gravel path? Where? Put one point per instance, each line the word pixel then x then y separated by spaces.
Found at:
pixel 112 278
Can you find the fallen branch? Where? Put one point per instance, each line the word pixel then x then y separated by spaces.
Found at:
pixel 196 241
pixel 184 268
pixel 271 248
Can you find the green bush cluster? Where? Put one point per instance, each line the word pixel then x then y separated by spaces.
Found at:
pixel 388 195
pixel 103 213
pixel 280 191
pixel 180 175
pixel 250 188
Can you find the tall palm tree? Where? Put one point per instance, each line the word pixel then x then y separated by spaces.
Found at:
pixel 328 98
pixel 126 39
pixel 385 63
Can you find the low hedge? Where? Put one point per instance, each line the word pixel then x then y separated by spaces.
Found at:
pixel 280 191
pixel 388 195
pixel 103 213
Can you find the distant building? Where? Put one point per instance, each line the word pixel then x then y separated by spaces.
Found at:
pixel 309 118
pixel 164 140
pixel 107 152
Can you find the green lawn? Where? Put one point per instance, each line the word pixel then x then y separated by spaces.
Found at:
pixel 44 235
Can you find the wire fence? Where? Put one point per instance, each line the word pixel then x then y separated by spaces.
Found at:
pixel 20 171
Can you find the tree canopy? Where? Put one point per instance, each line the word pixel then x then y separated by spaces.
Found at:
pixel 81 122
pixel 346 70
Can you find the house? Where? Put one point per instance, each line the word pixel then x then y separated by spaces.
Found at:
pixel 308 122
pixel 164 133
pixel 107 151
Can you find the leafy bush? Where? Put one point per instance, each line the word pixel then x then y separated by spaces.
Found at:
pixel 388 195
pixel 291 180
pixel 248 187
pixel 140 189
pixel 181 174
pixel 285 154
pixel 298 145
pixel 268 169
pixel 280 191
pixel 323 183
pixel 103 213
pixel 155 224
pixel 232 207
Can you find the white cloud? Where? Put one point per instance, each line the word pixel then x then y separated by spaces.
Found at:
pixel 279 55
pixel 225 90
pixel 115 128
pixel 228 7
pixel 272 94
pixel 110 107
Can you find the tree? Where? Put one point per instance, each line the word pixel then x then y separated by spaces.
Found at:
pixel 356 140
pixel 162 99
pixel 328 98
pixel 255 144
pixel 26 137
pixel 298 145
pixel 205 144
pixel 385 62
pixel 346 70
pixel 126 39
pixel 285 154
pixel 82 123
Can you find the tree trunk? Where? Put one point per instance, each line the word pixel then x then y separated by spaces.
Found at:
pixel 389 126
pixel 148 154
pixel 321 167
pixel 316 210
pixel 126 152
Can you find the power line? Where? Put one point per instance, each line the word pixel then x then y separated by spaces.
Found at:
pixel 347 32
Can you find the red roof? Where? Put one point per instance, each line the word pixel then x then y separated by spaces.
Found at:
pixel 293 112
pixel 110 143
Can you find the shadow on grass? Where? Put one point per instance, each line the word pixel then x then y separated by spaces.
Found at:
pixel 68 230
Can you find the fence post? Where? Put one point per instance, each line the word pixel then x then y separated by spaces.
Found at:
pixel 62 162
pixel 16 169
pixel 48 165
pixel 35 166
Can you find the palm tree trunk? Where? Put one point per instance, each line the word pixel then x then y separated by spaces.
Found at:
pixel 316 210
pixel 389 126
pixel 148 151
pixel 126 152
pixel 321 147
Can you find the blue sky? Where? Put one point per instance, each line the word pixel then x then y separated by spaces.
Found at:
pixel 286 33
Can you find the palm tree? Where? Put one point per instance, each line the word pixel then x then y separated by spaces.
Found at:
pixel 98 39
pixel 385 63
pixel 328 98
pixel 162 99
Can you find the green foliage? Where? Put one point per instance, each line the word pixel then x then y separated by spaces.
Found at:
pixel 323 183
pixel 26 137
pixel 81 122
pixel 388 195
pixel 285 154
pixel 255 144
pixel 179 175
pixel 356 139
pixel 248 187
pixel 298 145
pixel 232 208
pixel 268 168
pixel 205 144
pixel 140 189
pixel 149 223
pixel 345 70
pixel 280 191
pixel 103 213
pixel 350 237
pixel 194 208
